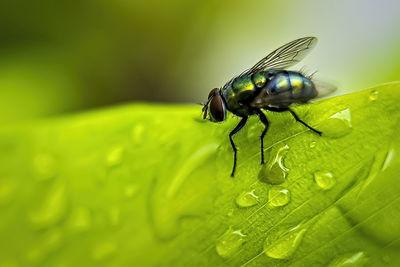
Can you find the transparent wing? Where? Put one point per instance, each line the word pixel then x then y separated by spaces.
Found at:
pixel 323 88
pixel 285 56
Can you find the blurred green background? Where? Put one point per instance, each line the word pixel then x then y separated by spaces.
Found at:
pixel 66 56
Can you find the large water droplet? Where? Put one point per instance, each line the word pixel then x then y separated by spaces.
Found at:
pixel 324 179
pixel 358 259
pixel 52 209
pixel 44 166
pixel 373 95
pixel 7 189
pixel 229 242
pixel 247 199
pixel 285 245
pixel 278 196
pixel 114 156
pixel 337 125
pixel 80 219
pixel 275 172
pixel 103 251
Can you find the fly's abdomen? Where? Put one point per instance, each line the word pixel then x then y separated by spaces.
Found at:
pixel 288 87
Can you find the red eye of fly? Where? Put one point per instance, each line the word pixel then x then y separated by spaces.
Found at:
pixel 213 92
pixel 217 109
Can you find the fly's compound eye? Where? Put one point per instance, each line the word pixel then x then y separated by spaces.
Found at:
pixel 213 92
pixel 217 109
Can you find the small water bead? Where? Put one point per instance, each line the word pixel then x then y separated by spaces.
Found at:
pixel 373 95
pixel 324 179
pixel 313 144
pixel 337 125
pixel 285 245
pixel 130 190
pixel 137 132
pixel 247 199
pixel 52 209
pixel 274 171
pixel 358 259
pixel 80 219
pixel 114 156
pixel 44 166
pixel 278 196
pixel 229 243
pixel 102 251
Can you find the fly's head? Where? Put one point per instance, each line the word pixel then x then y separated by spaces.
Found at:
pixel 215 106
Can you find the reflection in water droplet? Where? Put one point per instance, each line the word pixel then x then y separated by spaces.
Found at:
pixel 114 215
pixel 373 95
pixel 52 209
pixel 50 242
pixel 358 259
pixel 285 245
pixel 247 199
pixel 80 219
pixel 103 251
pixel 44 166
pixel 229 243
pixel 137 132
pixel 130 190
pixel 278 196
pixel 114 156
pixel 7 189
pixel 324 179
pixel 313 144
pixel 337 125
pixel 275 172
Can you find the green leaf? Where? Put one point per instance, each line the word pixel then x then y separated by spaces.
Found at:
pixel 143 185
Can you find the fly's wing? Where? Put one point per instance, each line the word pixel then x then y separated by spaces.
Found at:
pixel 284 98
pixel 285 56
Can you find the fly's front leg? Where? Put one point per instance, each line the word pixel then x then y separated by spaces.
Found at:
pixel 295 117
pixel 264 120
pixel 234 131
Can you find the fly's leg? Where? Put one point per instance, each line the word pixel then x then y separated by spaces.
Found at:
pixel 295 117
pixel 264 120
pixel 234 131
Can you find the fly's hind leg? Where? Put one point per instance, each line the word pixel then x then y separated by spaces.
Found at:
pixel 264 120
pixel 234 131
pixel 295 117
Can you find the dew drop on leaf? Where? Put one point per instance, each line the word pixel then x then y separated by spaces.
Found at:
pixel 313 144
pixel 130 190
pixel 358 259
pixel 104 250
pixel 278 196
pixel 44 166
pixel 324 179
pixel 137 132
pixel 274 171
pixel 230 242
pixel 52 209
pixel 247 199
pixel 286 244
pixel 337 125
pixel 115 156
pixel 373 95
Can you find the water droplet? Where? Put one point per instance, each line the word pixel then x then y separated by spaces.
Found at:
pixel 7 189
pixel 114 215
pixel 324 179
pixel 103 251
pixel 230 242
pixel 44 166
pixel 52 209
pixel 247 199
pixel 130 190
pixel 337 125
pixel 274 171
pixel 313 144
pixel 230 213
pixel 350 259
pixel 80 219
pixel 278 196
pixel 137 132
pixel 114 156
pixel 373 95
pixel 50 242
pixel 389 158
pixel 285 245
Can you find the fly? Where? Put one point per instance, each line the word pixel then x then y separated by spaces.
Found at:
pixel 267 85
